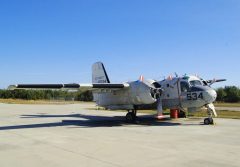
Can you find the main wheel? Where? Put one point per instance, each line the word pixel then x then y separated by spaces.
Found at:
pixel 130 117
pixel 182 114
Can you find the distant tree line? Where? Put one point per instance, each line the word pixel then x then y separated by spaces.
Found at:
pixel 227 94
pixel 46 95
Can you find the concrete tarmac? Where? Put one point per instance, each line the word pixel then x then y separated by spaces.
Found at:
pixel 76 135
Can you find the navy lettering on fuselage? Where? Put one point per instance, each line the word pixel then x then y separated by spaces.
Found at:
pixel 194 96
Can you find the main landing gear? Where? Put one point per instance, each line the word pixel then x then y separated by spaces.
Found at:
pixel 182 114
pixel 131 116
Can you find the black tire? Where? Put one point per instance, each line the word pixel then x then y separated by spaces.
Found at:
pixel 206 121
pixel 211 121
pixel 182 114
pixel 134 115
pixel 129 117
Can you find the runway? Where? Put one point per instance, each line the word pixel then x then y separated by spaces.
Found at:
pixel 76 135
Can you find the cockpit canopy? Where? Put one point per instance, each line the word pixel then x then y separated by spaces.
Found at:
pixel 191 84
pixel 195 83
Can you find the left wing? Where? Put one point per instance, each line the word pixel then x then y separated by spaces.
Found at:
pixel 73 86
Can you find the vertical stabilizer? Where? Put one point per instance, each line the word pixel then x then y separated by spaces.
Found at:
pixel 99 74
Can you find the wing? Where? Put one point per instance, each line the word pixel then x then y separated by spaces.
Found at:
pixel 74 86
pixel 215 80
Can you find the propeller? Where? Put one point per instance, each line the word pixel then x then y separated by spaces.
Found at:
pixel 141 78
pixel 155 87
pixel 169 77
pixel 156 92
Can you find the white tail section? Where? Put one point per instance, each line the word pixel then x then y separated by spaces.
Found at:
pixel 99 74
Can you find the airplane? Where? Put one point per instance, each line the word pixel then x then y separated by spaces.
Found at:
pixel 189 92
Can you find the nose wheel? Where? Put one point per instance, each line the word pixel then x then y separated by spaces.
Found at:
pixel 131 116
pixel 208 121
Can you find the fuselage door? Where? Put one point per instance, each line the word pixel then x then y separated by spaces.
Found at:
pixel 184 90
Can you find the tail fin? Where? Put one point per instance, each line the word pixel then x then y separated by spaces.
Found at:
pixel 99 74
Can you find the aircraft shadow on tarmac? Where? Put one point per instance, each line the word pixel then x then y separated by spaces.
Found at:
pixel 90 121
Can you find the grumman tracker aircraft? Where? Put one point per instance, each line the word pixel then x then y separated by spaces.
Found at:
pixel 189 92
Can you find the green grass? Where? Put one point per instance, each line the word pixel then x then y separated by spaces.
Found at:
pixel 221 114
pixel 19 101
pixel 219 104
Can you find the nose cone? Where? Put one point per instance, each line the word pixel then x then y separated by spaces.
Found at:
pixel 211 95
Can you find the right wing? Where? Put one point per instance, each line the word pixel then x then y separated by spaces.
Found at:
pixel 84 87
pixel 210 82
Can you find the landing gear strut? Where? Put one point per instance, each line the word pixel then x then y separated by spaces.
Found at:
pixel 182 114
pixel 131 116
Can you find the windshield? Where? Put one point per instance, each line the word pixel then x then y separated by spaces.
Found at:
pixel 195 83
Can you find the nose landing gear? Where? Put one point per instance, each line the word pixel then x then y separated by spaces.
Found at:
pixel 208 121
pixel 210 111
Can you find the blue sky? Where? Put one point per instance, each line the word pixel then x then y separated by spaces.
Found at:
pixel 57 41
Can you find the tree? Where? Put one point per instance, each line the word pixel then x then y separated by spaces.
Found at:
pixel 221 94
pixel 84 96
pixel 233 94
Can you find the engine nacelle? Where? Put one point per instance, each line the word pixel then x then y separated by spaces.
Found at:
pixel 140 93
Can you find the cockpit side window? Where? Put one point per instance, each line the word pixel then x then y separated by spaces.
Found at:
pixel 205 83
pixel 195 83
pixel 184 86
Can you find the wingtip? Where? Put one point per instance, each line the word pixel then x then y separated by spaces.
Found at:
pixel 12 87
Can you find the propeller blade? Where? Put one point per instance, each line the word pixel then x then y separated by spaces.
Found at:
pixel 141 78
pixel 169 77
